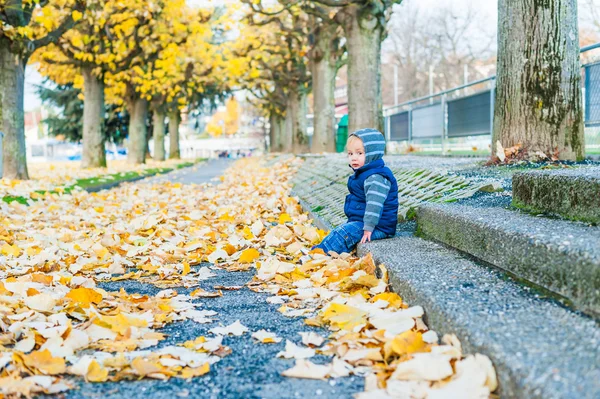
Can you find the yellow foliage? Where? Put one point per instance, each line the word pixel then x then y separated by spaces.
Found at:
pixel 409 342
pixel 344 317
pixel 249 255
pixel 225 122
pixel 84 296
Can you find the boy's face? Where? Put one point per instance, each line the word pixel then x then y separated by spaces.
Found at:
pixel 356 153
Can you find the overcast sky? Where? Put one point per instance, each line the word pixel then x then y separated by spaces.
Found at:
pixel 486 9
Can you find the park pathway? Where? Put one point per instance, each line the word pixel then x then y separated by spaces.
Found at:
pixel 252 370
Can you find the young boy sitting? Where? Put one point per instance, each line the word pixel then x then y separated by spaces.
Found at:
pixel 372 205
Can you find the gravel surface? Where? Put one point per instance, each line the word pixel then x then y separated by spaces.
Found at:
pixel 252 369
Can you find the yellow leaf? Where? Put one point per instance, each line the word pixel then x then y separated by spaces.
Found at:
pixel 230 249
pixel 100 251
pixel 249 255
pixel 12 250
pixel 84 296
pixel 76 15
pixel 96 373
pixel 186 269
pixel 143 367
pixel 190 372
pixel 44 362
pixel 392 298
pixel 226 217
pixel 343 316
pixel 409 342
pixel 284 217
pixel 120 323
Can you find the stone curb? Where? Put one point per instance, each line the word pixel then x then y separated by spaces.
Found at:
pixel 571 193
pixel 558 255
pixel 540 349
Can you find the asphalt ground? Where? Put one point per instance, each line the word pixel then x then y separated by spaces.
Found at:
pixel 252 370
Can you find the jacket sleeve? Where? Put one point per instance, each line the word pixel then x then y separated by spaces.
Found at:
pixel 377 189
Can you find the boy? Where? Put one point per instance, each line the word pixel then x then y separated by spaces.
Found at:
pixel 372 205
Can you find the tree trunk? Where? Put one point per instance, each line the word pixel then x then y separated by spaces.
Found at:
pixel 286 135
pixel 12 115
pixel 138 111
pixel 324 69
pixel 298 109
pixel 274 133
pixel 158 133
pixel 364 34
pixel 538 92
pixel 94 154
pixel 174 121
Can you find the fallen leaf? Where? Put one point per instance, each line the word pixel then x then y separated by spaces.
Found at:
pixel 266 337
pixel 237 329
pixel 306 369
pixel 84 296
pixel 311 339
pixel 409 342
pixel 293 351
pixel 344 317
pixel 44 362
pixel 189 372
pixel 249 255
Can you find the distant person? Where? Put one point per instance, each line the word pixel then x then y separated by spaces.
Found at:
pixel 372 204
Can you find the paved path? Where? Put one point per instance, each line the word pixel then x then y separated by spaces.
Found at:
pixel 200 173
pixel 252 371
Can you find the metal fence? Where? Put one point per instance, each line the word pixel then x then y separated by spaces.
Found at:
pixel 461 119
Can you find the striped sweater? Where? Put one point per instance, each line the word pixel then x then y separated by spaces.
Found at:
pixel 377 188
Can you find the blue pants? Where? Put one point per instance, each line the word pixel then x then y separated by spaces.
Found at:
pixel 345 237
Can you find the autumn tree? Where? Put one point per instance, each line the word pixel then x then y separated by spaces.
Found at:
pixel 282 60
pixel 325 52
pixel 149 75
pixel 538 84
pixel 186 75
pixel 104 41
pixel 25 26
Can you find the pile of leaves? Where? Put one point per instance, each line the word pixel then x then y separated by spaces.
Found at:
pixel 56 322
pixel 518 154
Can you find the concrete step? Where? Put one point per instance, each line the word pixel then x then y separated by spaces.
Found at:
pixel 540 348
pixel 561 256
pixel 571 193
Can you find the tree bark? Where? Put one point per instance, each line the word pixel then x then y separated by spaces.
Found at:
pixel 286 136
pixel 364 34
pixel 538 92
pixel 12 115
pixel 94 154
pixel 324 69
pixel 138 111
pixel 298 109
pixel 158 134
pixel 273 133
pixel 174 122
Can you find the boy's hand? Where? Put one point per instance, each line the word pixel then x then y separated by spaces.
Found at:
pixel 366 237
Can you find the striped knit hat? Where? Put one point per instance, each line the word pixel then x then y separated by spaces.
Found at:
pixel 374 143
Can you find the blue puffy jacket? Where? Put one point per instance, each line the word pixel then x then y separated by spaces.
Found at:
pixel 356 201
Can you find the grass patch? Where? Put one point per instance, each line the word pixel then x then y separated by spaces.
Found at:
pixel 9 198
